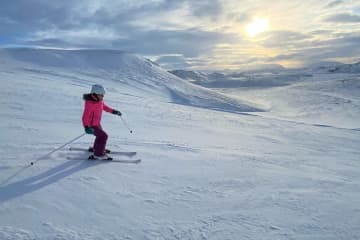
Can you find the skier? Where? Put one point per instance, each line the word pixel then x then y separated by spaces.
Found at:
pixel 91 119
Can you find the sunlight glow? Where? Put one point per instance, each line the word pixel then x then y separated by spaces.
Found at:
pixel 258 25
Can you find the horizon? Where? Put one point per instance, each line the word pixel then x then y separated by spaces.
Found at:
pixel 260 67
pixel 201 35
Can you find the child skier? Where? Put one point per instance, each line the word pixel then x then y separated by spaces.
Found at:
pixel 91 119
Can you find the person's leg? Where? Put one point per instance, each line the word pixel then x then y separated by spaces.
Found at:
pixel 100 141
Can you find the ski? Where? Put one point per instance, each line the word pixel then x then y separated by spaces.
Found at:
pixel 131 161
pixel 134 161
pixel 129 154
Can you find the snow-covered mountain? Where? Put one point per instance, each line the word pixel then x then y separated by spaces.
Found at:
pixel 242 79
pixel 333 67
pixel 128 69
pixel 291 172
pixel 264 68
pixel 346 68
pixel 273 75
pixel 190 75
pixel 322 90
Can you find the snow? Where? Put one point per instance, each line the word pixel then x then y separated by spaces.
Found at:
pixel 261 162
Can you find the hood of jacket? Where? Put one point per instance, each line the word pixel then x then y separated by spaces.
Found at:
pixel 90 97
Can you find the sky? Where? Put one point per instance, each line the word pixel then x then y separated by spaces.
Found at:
pixel 194 35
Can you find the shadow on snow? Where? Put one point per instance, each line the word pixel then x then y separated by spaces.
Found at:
pixel 34 183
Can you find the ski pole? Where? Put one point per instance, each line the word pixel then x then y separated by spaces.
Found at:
pixel 57 149
pixel 126 125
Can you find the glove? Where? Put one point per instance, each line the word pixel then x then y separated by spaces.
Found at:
pixel 116 112
pixel 89 130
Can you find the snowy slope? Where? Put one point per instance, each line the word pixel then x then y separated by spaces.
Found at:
pixel 204 174
pixel 334 67
pixel 324 99
pixel 243 79
pixel 323 94
pixel 104 65
pixel 190 75
pixel 347 68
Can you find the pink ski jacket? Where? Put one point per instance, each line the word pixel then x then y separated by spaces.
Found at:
pixel 93 111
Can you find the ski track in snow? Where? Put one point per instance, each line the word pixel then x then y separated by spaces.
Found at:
pixel 204 174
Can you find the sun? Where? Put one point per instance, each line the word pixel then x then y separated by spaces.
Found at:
pixel 258 25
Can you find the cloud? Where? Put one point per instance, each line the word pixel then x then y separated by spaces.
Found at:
pixel 334 4
pixel 203 32
pixel 321 50
pixel 50 42
pixel 173 62
pixel 282 39
pixel 109 25
pixel 343 18
pixel 206 8
pixel 286 57
pixel 42 15
pixel 189 43
pixel 34 15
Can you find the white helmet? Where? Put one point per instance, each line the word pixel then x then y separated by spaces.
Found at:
pixel 98 89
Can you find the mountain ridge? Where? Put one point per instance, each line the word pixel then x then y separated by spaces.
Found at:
pixel 129 70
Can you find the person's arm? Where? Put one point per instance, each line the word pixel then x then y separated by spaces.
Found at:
pixel 107 108
pixel 111 110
